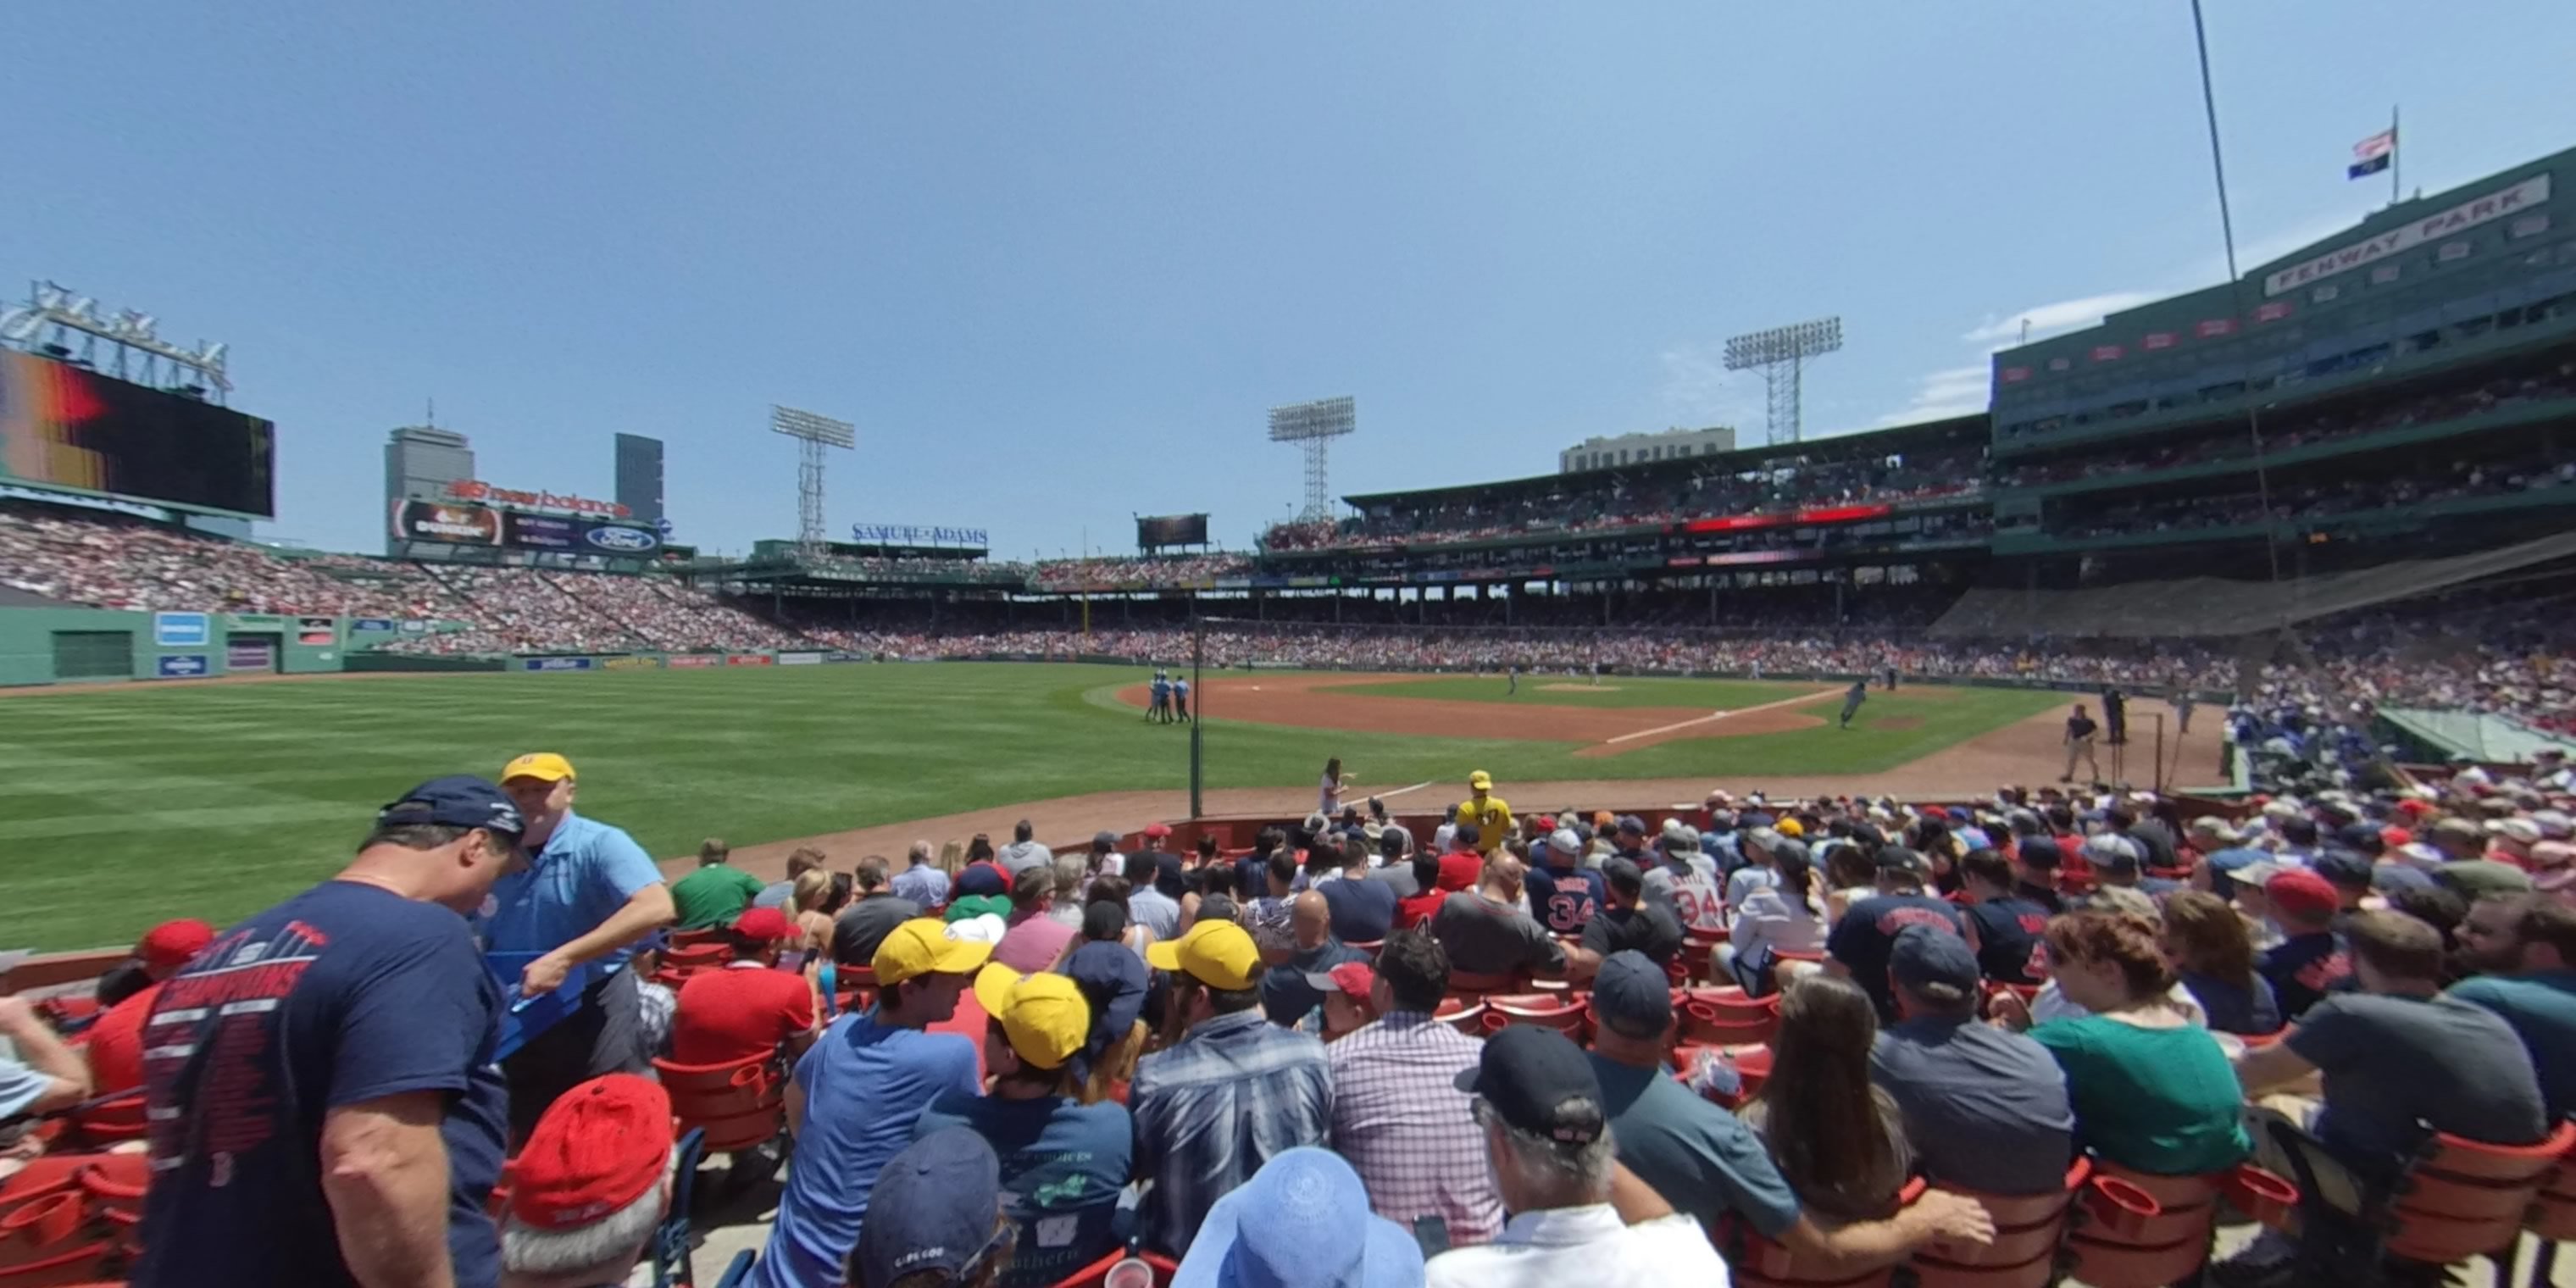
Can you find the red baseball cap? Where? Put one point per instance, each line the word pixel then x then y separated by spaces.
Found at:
pixel 168 946
pixel 2396 838
pixel 1157 829
pixel 2302 893
pixel 2415 807
pixel 762 924
pixel 1352 978
pixel 604 1145
pixel 1545 822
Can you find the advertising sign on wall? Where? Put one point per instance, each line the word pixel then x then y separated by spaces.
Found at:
pixel 250 655
pixel 619 539
pixel 694 659
pixel 370 625
pixel 557 663
pixel 321 631
pixel 175 665
pixel 180 630
pixel 747 659
pixel 799 659
pixel 630 663
pixel 446 523
pixel 541 531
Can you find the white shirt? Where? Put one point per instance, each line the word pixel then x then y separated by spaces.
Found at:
pixel 1587 1246
pixel 2050 1004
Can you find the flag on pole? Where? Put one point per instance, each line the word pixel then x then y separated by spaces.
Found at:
pixel 2372 155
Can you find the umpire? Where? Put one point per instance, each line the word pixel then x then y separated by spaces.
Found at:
pixel 588 894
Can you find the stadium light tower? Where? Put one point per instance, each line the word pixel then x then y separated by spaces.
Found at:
pixel 813 433
pixel 1315 425
pixel 1781 353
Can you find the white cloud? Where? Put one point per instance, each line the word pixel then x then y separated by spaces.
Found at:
pixel 2064 315
pixel 1951 391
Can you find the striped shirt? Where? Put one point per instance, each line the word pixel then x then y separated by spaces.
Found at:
pixel 1400 1119
pixel 1234 1094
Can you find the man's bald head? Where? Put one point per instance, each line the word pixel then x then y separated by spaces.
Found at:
pixel 1311 919
pixel 1504 872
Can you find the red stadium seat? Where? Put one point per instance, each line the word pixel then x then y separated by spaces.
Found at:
pixel 1106 1273
pixel 1727 1018
pixel 2124 1247
pixel 857 987
pixel 713 936
pixel 1471 986
pixel 2553 1217
pixel 2028 1232
pixel 1565 1014
pixel 2463 1198
pixel 741 1105
pixel 1760 1263
pixel 1459 1013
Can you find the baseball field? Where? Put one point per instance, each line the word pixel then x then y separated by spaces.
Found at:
pixel 127 804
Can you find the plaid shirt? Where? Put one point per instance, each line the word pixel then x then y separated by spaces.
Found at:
pixel 1235 1093
pixel 1400 1119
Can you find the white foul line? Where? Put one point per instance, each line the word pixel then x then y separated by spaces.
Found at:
pixel 1746 711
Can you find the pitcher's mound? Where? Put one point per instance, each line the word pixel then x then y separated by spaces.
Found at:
pixel 1570 687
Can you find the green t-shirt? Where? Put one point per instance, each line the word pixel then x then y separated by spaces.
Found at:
pixel 2162 1101
pixel 712 896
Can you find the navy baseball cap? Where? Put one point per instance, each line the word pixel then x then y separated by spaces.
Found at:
pixel 1631 825
pixel 1632 994
pixel 1623 876
pixel 1539 1082
pixel 982 879
pixel 460 800
pixel 934 1207
pixel 1930 955
pixel 2343 869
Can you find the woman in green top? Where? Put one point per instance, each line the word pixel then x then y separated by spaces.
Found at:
pixel 2152 1092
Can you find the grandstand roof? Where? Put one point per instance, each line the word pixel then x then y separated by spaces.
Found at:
pixel 1841 447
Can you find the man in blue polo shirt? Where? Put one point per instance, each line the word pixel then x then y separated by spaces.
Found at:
pixel 588 894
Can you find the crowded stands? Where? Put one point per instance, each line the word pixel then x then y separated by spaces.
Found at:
pixel 1759 1038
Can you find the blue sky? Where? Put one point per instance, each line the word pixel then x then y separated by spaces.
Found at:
pixel 1055 260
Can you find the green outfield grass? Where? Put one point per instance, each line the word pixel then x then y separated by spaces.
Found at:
pixel 123 806
pixel 1614 691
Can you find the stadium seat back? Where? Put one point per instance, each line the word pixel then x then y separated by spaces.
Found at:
pixel 739 1105
pixel 2553 1212
pixel 2463 1198
pixel 2142 1230
pixel 1758 1262
pixel 112 1121
pixel 1473 986
pixel 1462 1014
pixel 1564 1014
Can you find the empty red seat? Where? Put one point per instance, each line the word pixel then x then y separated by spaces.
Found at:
pixel 2124 1248
pixel 741 1105
pixel 1565 1014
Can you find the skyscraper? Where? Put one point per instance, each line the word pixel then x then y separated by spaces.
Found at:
pixel 420 461
pixel 639 478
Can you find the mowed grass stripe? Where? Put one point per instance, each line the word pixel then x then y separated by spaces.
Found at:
pixel 121 807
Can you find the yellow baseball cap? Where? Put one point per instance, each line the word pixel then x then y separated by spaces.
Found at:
pixel 922 946
pixel 1789 827
pixel 1045 1016
pixel 1219 954
pixel 1480 779
pixel 544 766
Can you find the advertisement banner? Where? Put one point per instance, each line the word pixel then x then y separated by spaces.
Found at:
pixel 540 532
pixel 177 665
pixel 630 663
pixel 799 659
pixel 415 628
pixel 181 630
pixel 370 625
pixel 747 659
pixel 837 656
pixel 446 523
pixel 694 659
pixel 250 655
pixel 317 630
pixel 557 663
pixel 619 539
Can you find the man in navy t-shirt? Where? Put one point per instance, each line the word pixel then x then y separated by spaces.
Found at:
pixel 1859 944
pixel 1563 893
pixel 2009 926
pixel 323 1105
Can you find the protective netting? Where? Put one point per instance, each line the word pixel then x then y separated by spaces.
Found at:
pixel 2208 607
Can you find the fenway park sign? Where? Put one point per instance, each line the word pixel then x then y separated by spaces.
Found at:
pixel 2414 232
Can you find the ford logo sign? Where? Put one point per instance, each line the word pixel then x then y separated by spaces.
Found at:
pixel 621 538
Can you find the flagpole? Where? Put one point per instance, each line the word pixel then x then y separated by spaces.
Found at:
pixel 2395 166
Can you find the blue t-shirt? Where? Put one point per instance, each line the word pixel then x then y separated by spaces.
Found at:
pixel 1565 900
pixel 2235 1006
pixel 585 873
pixel 1363 911
pixel 2541 1007
pixel 344 993
pixel 2304 968
pixel 865 1085
pixel 1063 1166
